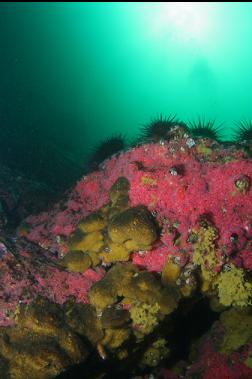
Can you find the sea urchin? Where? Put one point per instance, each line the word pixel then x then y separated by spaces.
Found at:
pixel 243 131
pixel 159 128
pixel 106 149
pixel 205 129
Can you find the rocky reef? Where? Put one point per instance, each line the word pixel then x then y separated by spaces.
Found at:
pixel 144 271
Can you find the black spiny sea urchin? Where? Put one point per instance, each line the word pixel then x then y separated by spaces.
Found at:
pixel 243 131
pixel 106 149
pixel 158 129
pixel 205 129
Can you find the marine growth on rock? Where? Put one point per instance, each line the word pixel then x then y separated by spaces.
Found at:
pixel 158 233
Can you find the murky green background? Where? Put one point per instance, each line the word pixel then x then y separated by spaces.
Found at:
pixel 72 74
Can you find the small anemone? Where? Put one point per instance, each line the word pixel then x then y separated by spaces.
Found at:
pixel 158 129
pixel 105 150
pixel 243 131
pixel 205 129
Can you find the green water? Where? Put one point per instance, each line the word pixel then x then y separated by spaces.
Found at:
pixel 72 74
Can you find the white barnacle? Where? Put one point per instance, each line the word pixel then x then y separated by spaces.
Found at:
pixel 190 281
pixel 58 239
pixel 173 171
pixel 106 264
pixel 118 306
pixel 190 142
pixel 176 259
pixel 178 282
pixel 187 273
pixel 227 267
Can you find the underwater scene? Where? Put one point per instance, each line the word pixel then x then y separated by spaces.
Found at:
pixel 125 190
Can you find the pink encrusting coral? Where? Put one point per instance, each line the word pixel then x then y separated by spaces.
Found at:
pixel 25 276
pixel 246 258
pixel 155 259
pixel 176 182
pixel 59 285
pixel 213 364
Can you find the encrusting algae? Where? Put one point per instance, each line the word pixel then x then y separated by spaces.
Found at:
pixel 205 251
pixel 233 288
pixel 155 353
pixel 238 329
pixel 145 316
